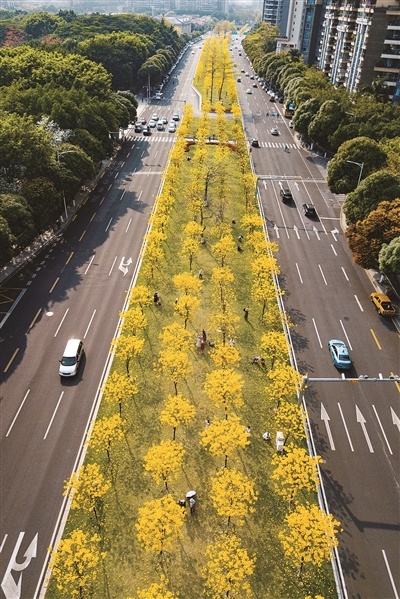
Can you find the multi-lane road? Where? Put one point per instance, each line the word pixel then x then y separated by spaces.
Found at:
pixel 78 288
pixel 80 285
pixel 355 425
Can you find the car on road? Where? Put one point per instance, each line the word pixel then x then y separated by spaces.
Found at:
pixel 239 80
pixel 175 117
pixel 254 84
pixel 272 99
pixel 340 354
pixel 142 121
pixel 171 128
pixel 242 70
pixel 255 143
pixel 291 124
pixel 154 117
pixel 158 96
pixel 274 131
pixel 138 127
pixel 309 209
pixel 152 123
pixel 383 304
pixel 146 130
pixel 164 120
pixel 251 76
pixel 286 195
pixel 248 91
pixel 71 358
pixel 160 126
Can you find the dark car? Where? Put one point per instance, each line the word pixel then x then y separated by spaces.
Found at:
pixel 146 130
pixel 309 210
pixel 138 128
pixel 254 84
pixel 239 80
pixel 255 143
pixel 286 195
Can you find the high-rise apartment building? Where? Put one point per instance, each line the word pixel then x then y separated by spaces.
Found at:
pixel 360 42
pixel 202 6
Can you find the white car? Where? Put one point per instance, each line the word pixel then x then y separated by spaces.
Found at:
pixel 248 91
pixel 152 123
pixel 274 131
pixel 171 128
pixel 154 117
pixel 175 117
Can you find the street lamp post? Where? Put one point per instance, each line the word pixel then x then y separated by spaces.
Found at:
pixel 62 186
pixel 359 164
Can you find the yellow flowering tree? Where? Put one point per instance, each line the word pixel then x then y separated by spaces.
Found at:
pixel 159 525
pixel 86 489
pixel 294 471
pixel 233 494
pixel 177 410
pixel 164 461
pixel 224 388
pixel 223 437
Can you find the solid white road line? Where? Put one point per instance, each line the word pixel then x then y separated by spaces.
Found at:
pixel 62 320
pixel 112 265
pixel 383 432
pixel 18 411
pixel 345 333
pixel 316 331
pixel 396 595
pixel 90 322
pixel 53 416
pixel 298 272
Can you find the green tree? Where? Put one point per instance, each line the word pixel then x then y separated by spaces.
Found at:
pixel 43 199
pixel 378 187
pixel 389 257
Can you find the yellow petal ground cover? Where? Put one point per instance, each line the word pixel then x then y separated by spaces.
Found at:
pixel 196 408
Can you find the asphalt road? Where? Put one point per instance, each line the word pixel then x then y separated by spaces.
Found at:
pixel 77 289
pixel 355 426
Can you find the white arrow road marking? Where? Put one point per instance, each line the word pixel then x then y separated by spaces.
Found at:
pixel 295 229
pixel 383 432
pixel 345 427
pixel 12 589
pixel 334 232
pixel 395 593
pixel 395 419
pixel 123 267
pixel 362 421
pixel 325 418
pixel 316 233
pixel 276 230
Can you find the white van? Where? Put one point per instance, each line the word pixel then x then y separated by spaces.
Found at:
pixel 71 358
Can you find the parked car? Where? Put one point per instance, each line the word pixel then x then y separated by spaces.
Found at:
pixel 340 354
pixel 291 124
pixel 286 195
pixel 274 131
pixel 383 304
pixel 309 210
pixel 255 143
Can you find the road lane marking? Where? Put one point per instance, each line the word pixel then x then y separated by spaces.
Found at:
pixel 112 265
pixel 361 420
pixel 375 339
pixel 344 272
pixel 3 542
pixel 62 320
pixel 345 427
pixel 116 175
pixel 93 215
pixel 102 200
pixel 298 272
pixel 396 595
pixel 322 274
pixel 18 411
pixel 129 224
pixel 88 327
pixel 315 230
pixel 316 330
pixel 359 305
pixel 345 333
pixel 140 194
pixel 69 258
pixel 335 252
pixel 34 319
pixel 54 284
pixel 89 265
pixel 325 418
pixel 148 172
pixel 53 416
pixel 109 187
pixel 295 229
pixel 82 236
pixel 122 195
pixel 74 217
pixel 11 584
pixel 383 432
pixel 109 224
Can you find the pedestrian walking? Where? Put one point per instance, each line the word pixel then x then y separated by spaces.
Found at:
pixel 246 313
pixel 200 273
pixel 157 300
pixel 192 505
pixel 204 334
